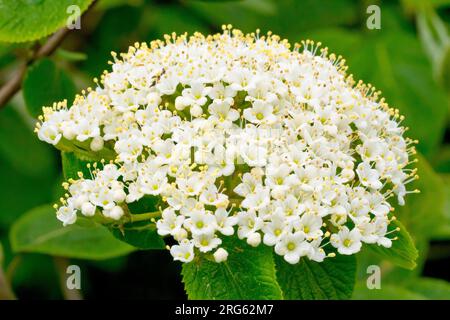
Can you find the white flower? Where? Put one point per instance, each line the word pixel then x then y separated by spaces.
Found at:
pixel 248 223
pixel 212 196
pixel 368 177
pixel 260 112
pixel 254 156
pixel 170 223
pixel 274 230
pixel 220 93
pixel 236 131
pixel 225 223
pixel 183 252
pixel 49 133
pixel 347 242
pixel 196 94
pixel 201 222
pixel 221 111
pixel 248 185
pixel 206 241
pixel 292 246
pixel 310 225
pixel 67 214
pixel 258 200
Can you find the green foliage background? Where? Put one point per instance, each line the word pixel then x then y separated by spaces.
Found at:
pixel 408 59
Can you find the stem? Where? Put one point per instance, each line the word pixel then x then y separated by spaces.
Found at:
pixel 61 267
pixel 14 84
pixel 79 148
pixel 12 267
pixel 144 216
pixel 6 292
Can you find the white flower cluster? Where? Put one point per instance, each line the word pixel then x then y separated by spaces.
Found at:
pixel 238 133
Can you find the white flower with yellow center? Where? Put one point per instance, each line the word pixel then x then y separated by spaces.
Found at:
pixel 236 133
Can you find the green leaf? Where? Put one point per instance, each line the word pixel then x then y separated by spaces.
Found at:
pixel 29 167
pixel 387 292
pixel 28 20
pixel 20 192
pixel 332 279
pixel 113 36
pixel 443 228
pixel 441 161
pixel 148 203
pixel 39 231
pixel 71 165
pixel 18 142
pixel 174 18
pixel 430 288
pixel 45 84
pixel 37 272
pixel 141 235
pixel 403 251
pixel 249 273
pixel 287 18
pixel 419 4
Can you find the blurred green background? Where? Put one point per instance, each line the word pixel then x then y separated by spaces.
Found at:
pixel 408 59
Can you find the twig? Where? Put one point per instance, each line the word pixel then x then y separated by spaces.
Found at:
pixel 61 265
pixel 15 83
pixel 12 267
pixel 6 292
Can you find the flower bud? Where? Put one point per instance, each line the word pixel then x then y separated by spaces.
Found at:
pixel 97 144
pixel 254 239
pixel 116 213
pixel 88 209
pixel 220 255
pixel 119 196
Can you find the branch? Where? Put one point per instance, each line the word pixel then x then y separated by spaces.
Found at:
pixel 6 292
pixel 14 84
pixel 61 265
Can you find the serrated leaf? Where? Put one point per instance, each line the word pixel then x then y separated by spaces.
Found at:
pixel 141 235
pixel 403 252
pixel 45 83
pixel 249 273
pixel 332 279
pixel 39 231
pixel 24 20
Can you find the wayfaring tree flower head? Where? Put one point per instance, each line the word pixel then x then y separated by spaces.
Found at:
pixel 237 134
